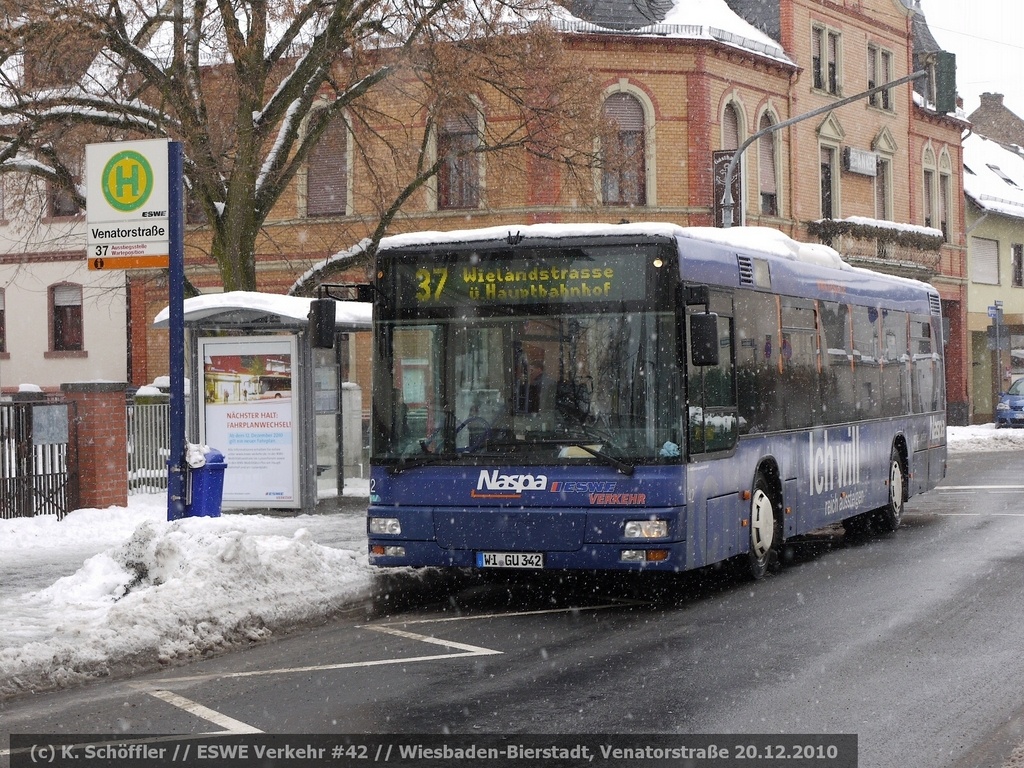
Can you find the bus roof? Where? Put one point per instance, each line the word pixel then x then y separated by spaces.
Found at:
pixel 809 269
pixel 764 239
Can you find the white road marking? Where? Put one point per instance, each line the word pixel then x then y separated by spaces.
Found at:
pixel 463 651
pixel 229 724
pixel 460 650
pixel 980 488
pixel 471 650
pixel 541 612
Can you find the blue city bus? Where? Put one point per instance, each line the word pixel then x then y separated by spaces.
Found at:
pixel 641 397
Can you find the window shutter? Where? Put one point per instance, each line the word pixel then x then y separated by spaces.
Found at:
pixel 984 261
pixel 767 151
pixel 730 128
pixel 327 179
pixel 67 296
pixel 625 111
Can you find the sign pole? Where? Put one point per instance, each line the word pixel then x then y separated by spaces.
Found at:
pixel 176 467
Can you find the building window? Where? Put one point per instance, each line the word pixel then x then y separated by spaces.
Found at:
pixel 458 178
pixel 883 188
pixel 929 197
pixel 624 177
pixel 1017 251
pixel 768 175
pixel 829 178
pixel 879 73
pixel 825 59
pixel 3 323
pixel 945 203
pixel 731 127
pixel 930 194
pixel 984 261
pixel 66 313
pixel 327 174
pixel 61 202
pixel 1002 175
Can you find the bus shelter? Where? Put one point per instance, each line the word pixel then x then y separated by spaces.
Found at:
pixel 275 406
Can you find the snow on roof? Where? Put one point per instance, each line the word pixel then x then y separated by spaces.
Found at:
pixel 763 239
pixel 994 176
pixel 352 315
pixel 897 226
pixel 694 19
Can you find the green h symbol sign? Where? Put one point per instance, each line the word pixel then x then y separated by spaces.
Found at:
pixel 127 176
pixel 127 181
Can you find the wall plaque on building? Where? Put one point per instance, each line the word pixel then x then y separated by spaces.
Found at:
pixel 860 161
pixel 720 165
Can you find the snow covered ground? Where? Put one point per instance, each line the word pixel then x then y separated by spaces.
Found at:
pixel 107 587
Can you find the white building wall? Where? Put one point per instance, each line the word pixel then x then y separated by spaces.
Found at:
pixel 35 254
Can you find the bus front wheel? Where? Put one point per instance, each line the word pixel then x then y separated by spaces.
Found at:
pixel 765 529
pixel 889 517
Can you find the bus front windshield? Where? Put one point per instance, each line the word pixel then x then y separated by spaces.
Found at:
pixel 551 387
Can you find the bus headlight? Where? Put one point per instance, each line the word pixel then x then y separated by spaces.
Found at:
pixel 387 525
pixel 646 529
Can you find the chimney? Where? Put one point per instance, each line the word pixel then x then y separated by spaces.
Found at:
pixel 991 99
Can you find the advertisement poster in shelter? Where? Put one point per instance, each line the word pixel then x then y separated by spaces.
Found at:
pixel 248 415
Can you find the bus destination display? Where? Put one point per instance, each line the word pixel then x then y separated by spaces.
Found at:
pixel 600 274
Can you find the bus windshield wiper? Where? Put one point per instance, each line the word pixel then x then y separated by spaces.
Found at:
pixel 624 467
pixel 423 460
pixel 585 443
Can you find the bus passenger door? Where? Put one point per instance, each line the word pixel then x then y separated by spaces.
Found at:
pixel 712 490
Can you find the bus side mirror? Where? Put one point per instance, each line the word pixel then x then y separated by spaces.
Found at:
pixel 704 339
pixel 321 323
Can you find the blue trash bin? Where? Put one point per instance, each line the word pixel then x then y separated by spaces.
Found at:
pixel 207 486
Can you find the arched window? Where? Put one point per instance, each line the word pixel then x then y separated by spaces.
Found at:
pixel 458 179
pixel 886 149
pixel 730 127
pixel 768 184
pixel 929 181
pixel 66 333
pixel 945 195
pixel 830 138
pixel 624 179
pixel 327 175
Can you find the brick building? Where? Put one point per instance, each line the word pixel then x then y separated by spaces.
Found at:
pixel 879 179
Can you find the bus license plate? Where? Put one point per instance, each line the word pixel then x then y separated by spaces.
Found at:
pixel 510 559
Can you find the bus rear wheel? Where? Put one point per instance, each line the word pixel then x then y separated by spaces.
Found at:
pixel 765 530
pixel 889 517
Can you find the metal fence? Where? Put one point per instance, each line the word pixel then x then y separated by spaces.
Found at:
pixel 38 475
pixel 149 440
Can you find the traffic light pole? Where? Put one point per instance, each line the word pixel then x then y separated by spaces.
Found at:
pixel 727 200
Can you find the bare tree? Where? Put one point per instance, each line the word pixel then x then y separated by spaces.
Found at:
pixel 249 87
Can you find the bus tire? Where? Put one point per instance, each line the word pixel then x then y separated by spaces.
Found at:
pixel 765 529
pixel 888 518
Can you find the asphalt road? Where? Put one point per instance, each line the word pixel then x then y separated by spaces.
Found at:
pixel 911 640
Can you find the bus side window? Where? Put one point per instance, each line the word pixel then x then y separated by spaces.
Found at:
pixel 757 351
pixel 799 365
pixel 713 423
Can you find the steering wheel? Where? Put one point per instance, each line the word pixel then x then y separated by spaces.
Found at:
pixel 485 432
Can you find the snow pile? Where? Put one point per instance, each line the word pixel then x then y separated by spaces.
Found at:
pixel 168 592
pixel 983 438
